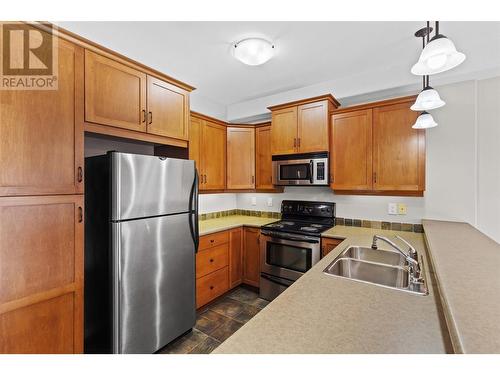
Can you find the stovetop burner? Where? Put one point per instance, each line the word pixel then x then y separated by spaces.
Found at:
pixel 304 217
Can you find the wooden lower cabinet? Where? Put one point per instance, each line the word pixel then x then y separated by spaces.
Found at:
pixel 251 256
pixel 41 274
pixel 235 257
pixel 211 286
pixel 225 260
pixel 328 244
pixel 212 267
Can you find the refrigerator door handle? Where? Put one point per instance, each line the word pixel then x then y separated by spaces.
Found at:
pixel 193 215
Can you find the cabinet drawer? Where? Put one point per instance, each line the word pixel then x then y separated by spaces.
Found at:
pixel 212 240
pixel 210 260
pixel 211 286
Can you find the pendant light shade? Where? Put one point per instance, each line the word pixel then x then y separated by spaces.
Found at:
pixel 439 55
pixel 427 99
pixel 424 121
pixel 253 51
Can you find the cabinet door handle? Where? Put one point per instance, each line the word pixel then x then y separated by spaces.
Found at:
pixel 205 178
pixel 253 179
pixel 80 214
pixel 144 115
pixel 79 174
pixel 150 118
pixel 298 142
pixel 294 142
pixel 375 177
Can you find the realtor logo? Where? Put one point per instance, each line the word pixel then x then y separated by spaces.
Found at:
pixel 28 57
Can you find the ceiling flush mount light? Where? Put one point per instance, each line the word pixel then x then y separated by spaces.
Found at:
pixel 424 121
pixel 253 51
pixel 439 55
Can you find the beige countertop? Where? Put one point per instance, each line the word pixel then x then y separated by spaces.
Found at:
pixel 323 314
pixel 467 266
pixel 230 222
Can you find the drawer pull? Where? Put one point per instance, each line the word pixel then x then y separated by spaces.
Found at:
pixel 211 260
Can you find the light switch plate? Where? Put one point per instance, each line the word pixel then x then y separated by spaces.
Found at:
pixel 392 209
pixel 269 202
pixel 401 209
pixel 254 201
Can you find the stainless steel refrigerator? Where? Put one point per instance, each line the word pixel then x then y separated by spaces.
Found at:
pixel 141 236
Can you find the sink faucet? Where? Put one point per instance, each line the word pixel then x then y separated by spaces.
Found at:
pixel 411 257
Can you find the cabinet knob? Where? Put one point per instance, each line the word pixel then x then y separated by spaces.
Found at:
pixel 211 287
pixel 212 241
pixel 211 260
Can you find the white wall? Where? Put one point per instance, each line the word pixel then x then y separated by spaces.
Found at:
pixel 488 157
pixel 462 167
pixel 216 202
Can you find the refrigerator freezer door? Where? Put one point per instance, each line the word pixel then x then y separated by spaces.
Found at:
pixel 144 185
pixel 154 282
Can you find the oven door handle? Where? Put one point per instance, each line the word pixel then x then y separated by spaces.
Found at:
pixel 283 236
pixel 277 280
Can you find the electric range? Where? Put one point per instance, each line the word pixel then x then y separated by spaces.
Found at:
pixel 291 246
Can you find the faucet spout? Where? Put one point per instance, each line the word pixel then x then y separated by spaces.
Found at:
pixel 408 257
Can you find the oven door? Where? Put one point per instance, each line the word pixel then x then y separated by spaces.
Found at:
pixel 288 256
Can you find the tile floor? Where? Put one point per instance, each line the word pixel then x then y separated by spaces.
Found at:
pixel 217 321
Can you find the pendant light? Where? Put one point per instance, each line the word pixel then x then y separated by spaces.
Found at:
pixel 424 121
pixel 428 98
pixel 439 55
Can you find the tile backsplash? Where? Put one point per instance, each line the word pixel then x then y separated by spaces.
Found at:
pixel 406 227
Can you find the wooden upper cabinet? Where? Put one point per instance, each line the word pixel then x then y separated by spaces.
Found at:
pixel 194 142
pixel 41 142
pixel 263 158
pixel 398 150
pixel 284 131
pixel 351 151
pixel 168 109
pixel 240 158
pixel 312 121
pixel 115 94
pixel 213 156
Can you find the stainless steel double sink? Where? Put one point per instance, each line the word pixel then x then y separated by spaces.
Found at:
pixel 384 268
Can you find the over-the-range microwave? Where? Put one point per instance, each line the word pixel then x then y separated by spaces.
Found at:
pixel 301 169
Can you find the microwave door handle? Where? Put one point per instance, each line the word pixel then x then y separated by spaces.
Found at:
pixel 311 171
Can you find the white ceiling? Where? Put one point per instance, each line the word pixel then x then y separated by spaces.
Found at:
pixel 307 53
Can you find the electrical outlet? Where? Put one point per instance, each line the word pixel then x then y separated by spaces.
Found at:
pixel 401 209
pixel 254 201
pixel 269 202
pixel 392 209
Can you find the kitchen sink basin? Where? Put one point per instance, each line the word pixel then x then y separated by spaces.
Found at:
pixel 375 273
pixel 383 268
pixel 391 258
